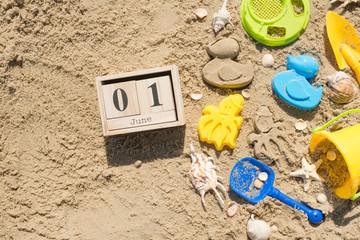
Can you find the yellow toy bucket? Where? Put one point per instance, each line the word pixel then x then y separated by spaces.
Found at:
pixel 347 141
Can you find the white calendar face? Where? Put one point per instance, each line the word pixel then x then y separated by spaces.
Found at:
pixel 134 102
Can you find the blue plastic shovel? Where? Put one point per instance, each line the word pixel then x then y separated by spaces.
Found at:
pixel 242 178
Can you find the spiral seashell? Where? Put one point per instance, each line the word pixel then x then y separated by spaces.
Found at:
pixel 341 88
pixel 221 18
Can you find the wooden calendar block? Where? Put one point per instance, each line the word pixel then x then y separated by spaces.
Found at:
pixel 139 101
pixel 155 95
pixel 117 102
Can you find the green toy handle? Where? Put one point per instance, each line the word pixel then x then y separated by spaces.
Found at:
pixel 320 128
pixel 334 119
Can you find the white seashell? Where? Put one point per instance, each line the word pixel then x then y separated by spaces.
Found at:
pixel 196 95
pixel 341 88
pixel 300 125
pixel 263 176
pixel 200 13
pixel 221 18
pixel 321 198
pixel 331 155
pixel 233 208
pixel 274 228
pixel 258 229
pixel 258 184
pixel 245 93
pixel 203 175
pixel 268 60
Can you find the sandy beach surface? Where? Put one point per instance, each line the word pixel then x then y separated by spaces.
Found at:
pixel 60 178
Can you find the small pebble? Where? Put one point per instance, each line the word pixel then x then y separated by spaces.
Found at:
pixel 263 176
pixel 274 228
pixel 258 184
pixel 321 198
pixel 138 163
pixel 331 155
pixel 245 93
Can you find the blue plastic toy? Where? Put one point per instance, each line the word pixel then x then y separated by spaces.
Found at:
pixel 304 65
pixel 295 90
pixel 242 178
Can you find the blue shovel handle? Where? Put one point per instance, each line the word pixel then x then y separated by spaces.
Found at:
pixel 315 216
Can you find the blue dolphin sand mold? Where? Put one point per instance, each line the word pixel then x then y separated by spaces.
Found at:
pixel 295 90
pixel 304 65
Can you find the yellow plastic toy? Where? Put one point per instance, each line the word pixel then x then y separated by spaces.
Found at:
pixel 221 125
pixel 347 142
pixel 344 42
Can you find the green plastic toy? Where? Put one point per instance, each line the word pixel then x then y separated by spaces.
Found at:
pixel 274 22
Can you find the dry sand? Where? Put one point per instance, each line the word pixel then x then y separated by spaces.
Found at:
pixel 61 179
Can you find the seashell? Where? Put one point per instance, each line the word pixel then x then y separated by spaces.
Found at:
pixel 196 95
pixel 268 60
pixel 300 125
pixel 304 65
pixel 221 18
pixel 233 208
pixel 258 229
pixel 341 88
pixel 224 48
pixel 245 93
pixel 321 198
pixel 203 175
pixel 263 176
pixel 274 228
pixel 331 155
pixel 258 184
pixel 200 13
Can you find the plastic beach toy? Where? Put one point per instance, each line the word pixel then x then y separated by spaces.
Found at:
pixel 274 22
pixel 221 125
pixel 304 65
pixel 243 176
pixel 295 90
pixel 346 141
pixel 344 42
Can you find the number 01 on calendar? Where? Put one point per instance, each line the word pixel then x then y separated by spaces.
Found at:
pixel 139 101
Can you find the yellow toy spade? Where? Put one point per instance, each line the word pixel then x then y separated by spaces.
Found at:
pixel 344 42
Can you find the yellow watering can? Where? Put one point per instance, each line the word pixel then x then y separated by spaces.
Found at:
pixel 347 141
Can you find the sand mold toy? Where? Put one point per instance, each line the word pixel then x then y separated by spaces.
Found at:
pixel 220 126
pixel 340 168
pixel 344 42
pixel 304 65
pixel 242 178
pixel 223 71
pixel 295 90
pixel 274 22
